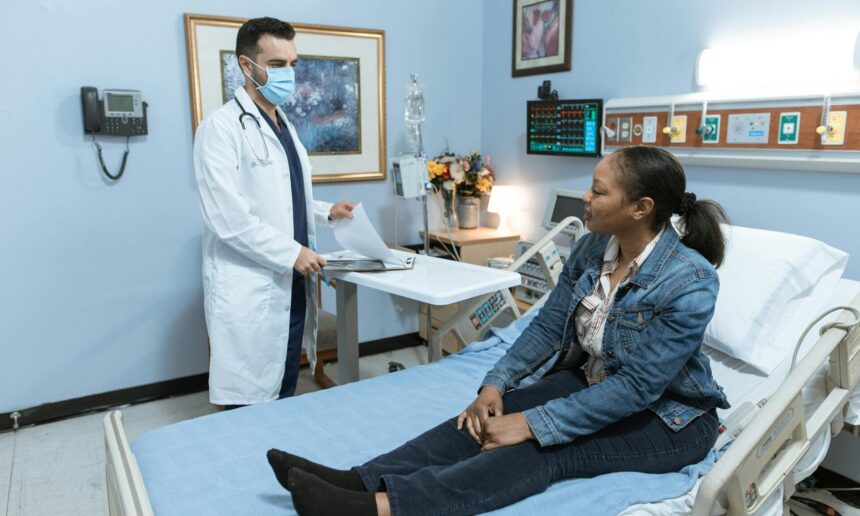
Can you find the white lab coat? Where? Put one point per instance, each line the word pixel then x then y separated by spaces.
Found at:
pixel 249 253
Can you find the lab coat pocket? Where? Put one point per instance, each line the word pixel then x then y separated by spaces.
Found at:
pixel 244 295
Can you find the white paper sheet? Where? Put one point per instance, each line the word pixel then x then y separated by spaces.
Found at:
pixel 359 236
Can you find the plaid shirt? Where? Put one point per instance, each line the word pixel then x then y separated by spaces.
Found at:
pixel 590 314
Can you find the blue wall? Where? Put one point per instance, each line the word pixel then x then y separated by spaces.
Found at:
pixel 101 288
pixel 648 47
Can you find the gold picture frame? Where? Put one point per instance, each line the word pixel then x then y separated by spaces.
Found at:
pixel 352 151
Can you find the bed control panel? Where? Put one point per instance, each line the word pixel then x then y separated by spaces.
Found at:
pixel 763 470
pixel 487 311
pixel 477 317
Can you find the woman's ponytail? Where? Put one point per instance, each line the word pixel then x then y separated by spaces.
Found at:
pixel 655 173
pixel 700 222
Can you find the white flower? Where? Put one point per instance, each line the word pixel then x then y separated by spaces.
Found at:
pixel 456 170
pixel 448 185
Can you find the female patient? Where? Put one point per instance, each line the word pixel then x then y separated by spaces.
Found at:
pixel 630 389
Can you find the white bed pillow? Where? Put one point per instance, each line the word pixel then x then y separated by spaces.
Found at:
pixel 762 272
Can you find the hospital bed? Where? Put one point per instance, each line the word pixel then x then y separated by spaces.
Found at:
pixel 216 464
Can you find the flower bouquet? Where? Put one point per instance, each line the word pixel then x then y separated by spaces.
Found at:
pixel 465 178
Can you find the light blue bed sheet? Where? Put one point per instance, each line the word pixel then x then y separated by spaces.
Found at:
pixel 217 464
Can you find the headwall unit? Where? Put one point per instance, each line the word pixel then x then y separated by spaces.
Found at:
pixel 792 132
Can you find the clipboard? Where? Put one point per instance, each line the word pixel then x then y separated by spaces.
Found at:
pixel 367 265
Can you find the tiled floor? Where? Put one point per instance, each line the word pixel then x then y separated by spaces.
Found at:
pixel 58 468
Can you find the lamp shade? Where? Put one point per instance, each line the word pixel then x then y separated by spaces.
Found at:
pixel 502 199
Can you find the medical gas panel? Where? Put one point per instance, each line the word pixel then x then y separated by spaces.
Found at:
pixel 564 127
pixel 791 132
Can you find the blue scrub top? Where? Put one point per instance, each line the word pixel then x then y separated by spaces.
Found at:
pixel 300 234
pixel 297 184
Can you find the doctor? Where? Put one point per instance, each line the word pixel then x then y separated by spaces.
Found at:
pixel 254 179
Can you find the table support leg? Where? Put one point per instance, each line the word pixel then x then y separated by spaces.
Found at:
pixel 434 344
pixel 347 332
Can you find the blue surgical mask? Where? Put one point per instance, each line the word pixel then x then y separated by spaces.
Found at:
pixel 281 84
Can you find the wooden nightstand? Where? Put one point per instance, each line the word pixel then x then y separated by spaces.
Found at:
pixel 474 246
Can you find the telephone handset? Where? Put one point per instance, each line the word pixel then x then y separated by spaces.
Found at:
pixel 92 113
pixel 118 113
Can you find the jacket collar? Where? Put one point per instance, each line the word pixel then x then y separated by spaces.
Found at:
pixel 653 264
pixel 658 258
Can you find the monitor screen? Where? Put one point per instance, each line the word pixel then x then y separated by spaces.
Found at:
pixel 563 203
pixel 123 103
pixel 567 206
pixel 564 127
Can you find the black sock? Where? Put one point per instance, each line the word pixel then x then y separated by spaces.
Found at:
pixel 282 462
pixel 313 496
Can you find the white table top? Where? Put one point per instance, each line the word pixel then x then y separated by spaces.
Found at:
pixel 434 280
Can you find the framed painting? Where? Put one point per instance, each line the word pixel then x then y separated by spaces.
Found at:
pixel 541 36
pixel 338 109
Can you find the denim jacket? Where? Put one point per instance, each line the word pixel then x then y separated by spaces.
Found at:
pixel 651 343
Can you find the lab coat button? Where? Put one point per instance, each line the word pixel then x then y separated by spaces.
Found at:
pixel 677 421
pixel 285 176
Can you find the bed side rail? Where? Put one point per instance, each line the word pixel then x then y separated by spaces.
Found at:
pixel 126 491
pixel 476 314
pixel 765 453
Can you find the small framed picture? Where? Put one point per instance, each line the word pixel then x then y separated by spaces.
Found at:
pixel 541 36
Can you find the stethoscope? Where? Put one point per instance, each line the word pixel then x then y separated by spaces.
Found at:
pixel 261 161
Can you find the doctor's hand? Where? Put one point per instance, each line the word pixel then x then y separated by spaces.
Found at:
pixel 341 210
pixel 506 431
pixel 308 262
pixel 488 403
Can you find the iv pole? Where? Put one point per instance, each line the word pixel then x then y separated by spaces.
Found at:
pixel 414 116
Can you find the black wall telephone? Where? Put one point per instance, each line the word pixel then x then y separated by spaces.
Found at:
pixel 118 113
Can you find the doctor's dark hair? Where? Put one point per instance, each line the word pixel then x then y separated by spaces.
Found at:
pixel 655 173
pixel 251 31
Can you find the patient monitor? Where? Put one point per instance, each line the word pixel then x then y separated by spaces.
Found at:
pixel 561 204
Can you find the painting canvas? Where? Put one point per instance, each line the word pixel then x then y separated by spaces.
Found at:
pixel 325 108
pixel 541 36
pixel 339 106
pixel 540 30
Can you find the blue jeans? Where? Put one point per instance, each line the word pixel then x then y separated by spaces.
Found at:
pixel 444 471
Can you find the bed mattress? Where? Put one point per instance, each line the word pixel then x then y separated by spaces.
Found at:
pixel 216 464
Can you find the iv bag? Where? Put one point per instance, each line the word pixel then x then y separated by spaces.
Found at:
pixel 414 102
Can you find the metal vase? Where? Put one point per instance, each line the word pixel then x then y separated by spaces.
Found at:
pixel 467 211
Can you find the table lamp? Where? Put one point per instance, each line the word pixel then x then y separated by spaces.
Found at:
pixel 503 201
